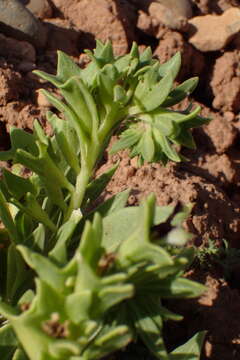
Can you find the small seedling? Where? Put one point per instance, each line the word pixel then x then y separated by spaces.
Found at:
pixel 208 254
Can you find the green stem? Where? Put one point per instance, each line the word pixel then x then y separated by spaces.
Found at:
pixel 90 152
pixel 80 189
pixel 112 119
pixel 81 185
pixel 88 161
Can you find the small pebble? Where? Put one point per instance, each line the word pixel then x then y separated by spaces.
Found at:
pixel 229 116
pixel 134 162
pixel 42 101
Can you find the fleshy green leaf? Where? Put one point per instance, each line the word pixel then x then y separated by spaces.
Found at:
pixel 63 237
pixel 67 140
pixel 182 215
pixel 166 147
pixel 149 327
pixel 155 96
pixel 90 246
pixel 66 69
pixel 115 203
pixel 127 139
pixel 7 336
pixel 7 352
pixel 191 350
pixel 148 148
pixel 171 66
pixel 181 92
pixel 46 270
pixel 19 355
pixel 17 186
pixel 162 213
pixel 177 288
pixel 78 305
pixel 96 187
pixel 20 139
pixel 7 219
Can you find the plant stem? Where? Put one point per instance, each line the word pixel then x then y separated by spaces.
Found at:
pixel 88 161
pixel 80 189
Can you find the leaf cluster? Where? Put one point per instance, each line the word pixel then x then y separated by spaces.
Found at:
pixel 108 294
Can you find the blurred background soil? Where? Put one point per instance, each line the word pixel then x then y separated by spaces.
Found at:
pixel 207 33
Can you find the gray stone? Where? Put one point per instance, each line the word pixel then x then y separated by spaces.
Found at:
pixel 18 22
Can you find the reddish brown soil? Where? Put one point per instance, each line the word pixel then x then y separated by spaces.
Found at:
pixel 211 177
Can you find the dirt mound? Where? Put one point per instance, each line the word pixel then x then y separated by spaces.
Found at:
pixel 213 216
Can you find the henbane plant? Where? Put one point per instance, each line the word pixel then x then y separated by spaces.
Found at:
pixel 79 282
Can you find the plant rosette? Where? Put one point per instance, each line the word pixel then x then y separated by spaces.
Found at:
pixel 94 296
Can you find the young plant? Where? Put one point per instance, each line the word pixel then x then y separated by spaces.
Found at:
pixel 95 295
pixel 225 256
pixel 207 255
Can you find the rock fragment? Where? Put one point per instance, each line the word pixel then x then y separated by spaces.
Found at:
pixel 40 8
pixel 145 23
pixel 41 100
pixel 221 133
pixel 225 83
pixel 181 7
pixel 16 50
pixel 214 32
pixel 18 22
pixel 172 13
pixel 221 168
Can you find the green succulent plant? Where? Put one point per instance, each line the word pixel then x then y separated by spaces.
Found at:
pixel 76 283
pixel 108 294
